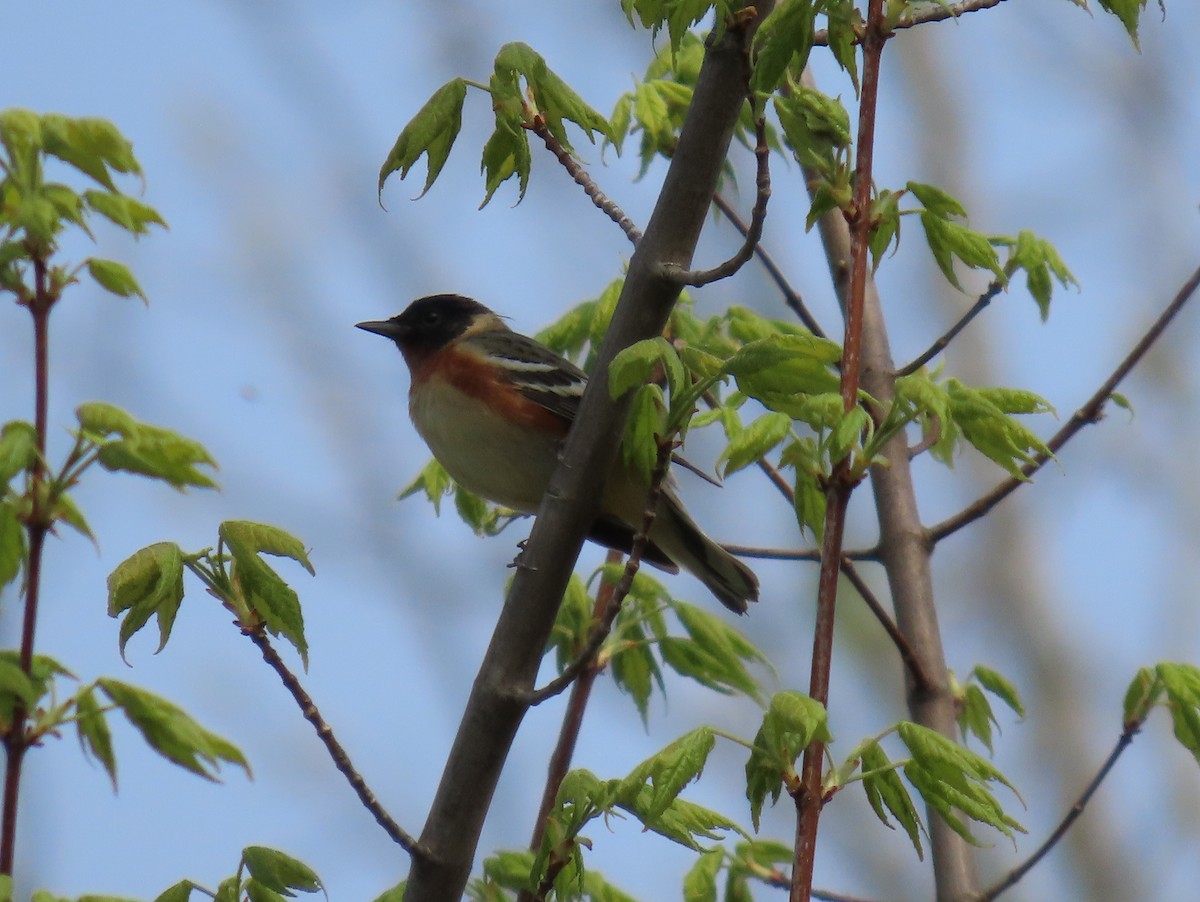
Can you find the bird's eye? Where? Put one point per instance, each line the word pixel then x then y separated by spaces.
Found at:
pixel 433 317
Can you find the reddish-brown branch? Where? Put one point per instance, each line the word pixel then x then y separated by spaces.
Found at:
pixel 568 736
pixel 808 796
pixel 1090 412
pixel 37 525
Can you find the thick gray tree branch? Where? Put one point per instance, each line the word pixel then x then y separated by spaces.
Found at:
pixel 499 697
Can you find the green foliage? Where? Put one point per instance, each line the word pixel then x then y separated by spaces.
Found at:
pixel 148 582
pixel 981 416
pixel 525 93
pixel 34 212
pixel 1175 685
pixel 257 586
pixel 171 732
pixel 1128 11
pixel 677 15
pixel 953 781
pixel 949 239
pixel 1042 266
pixel 888 797
pixel 121 443
pixel 975 715
pixel 782 43
pixel 792 722
pixel 431 133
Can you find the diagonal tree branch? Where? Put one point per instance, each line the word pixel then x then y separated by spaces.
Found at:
pixel 499 697
pixel 1010 879
pixel 581 178
pixel 942 343
pixel 1090 412
pixel 337 752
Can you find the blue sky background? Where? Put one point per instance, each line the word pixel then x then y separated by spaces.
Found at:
pixel 261 127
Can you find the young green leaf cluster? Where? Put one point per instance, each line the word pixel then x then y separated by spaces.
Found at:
pixel 525 93
pixel 150 582
pixel 34 212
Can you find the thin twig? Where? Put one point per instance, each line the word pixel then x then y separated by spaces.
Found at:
pixel 940 345
pixel 791 296
pixel 602 628
pixel 758 218
pixel 341 759
pixel 911 662
pixel 585 181
pixel 568 736
pixel 1090 412
pixel 937 13
pixel 1072 815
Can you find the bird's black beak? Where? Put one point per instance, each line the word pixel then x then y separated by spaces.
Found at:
pixel 388 328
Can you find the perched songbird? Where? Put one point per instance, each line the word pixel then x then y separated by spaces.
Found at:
pixel 494 408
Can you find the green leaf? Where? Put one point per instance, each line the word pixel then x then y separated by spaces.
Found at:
pixel 431 132
pixel 975 716
pixel 634 667
pixel 1127 11
pixel 1145 689
pixel 262 588
pixel 65 511
pixel 132 215
pixel 646 424
pixel 886 793
pixel 91 725
pixel 12 543
pixel 279 872
pixel 1041 262
pixel 639 364
pixel 791 723
pixel 434 481
pixel 844 23
pixel 755 441
pixel 171 732
pixel 949 239
pixel 1181 682
pixel 180 892
pixel 505 154
pixel 143 449
pixel 978 414
pixel 91 145
pixel 997 685
pixel 700 882
pixel 18 449
pixel 786 35
pixel 394 894
pixel 950 777
pixel 668 772
pixel 148 582
pixel 938 202
pixel 114 278
pixel 27 688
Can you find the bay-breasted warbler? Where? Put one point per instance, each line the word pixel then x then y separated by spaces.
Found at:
pixel 494 407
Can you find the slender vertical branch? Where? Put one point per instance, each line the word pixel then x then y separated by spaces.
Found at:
pixel 808 797
pixel 37 524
